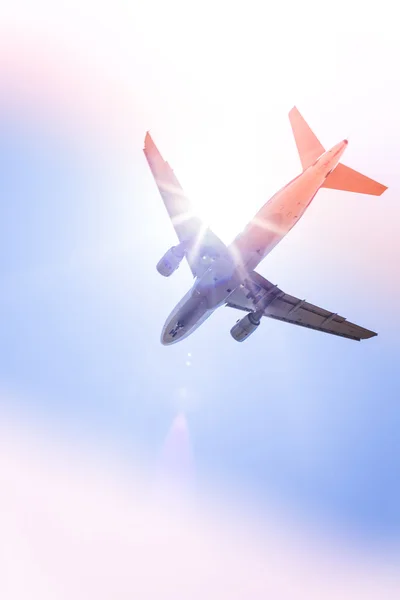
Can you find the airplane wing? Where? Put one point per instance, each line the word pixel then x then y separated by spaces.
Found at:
pixel 283 307
pixel 178 206
pixel 187 225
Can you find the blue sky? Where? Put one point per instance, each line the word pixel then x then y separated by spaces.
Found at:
pixel 291 416
pixel 292 413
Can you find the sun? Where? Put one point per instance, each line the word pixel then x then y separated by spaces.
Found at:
pixel 229 172
pixel 221 202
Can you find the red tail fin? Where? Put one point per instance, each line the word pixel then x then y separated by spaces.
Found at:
pixel 342 178
pixel 308 145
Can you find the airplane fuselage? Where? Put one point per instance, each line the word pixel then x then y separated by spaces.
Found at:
pixel 270 225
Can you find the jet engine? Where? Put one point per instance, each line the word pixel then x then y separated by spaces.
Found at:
pixel 246 326
pixel 171 260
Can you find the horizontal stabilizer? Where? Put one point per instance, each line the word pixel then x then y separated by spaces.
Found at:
pixel 308 145
pixel 349 180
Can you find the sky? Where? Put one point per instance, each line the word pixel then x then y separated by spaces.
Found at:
pixel 292 430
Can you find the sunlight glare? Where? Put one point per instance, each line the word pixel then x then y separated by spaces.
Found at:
pixel 227 183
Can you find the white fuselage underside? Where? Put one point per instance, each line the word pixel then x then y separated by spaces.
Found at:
pixel 270 225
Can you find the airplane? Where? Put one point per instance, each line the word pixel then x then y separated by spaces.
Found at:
pixel 225 275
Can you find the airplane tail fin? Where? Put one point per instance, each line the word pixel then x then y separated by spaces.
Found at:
pixel 308 145
pixel 342 177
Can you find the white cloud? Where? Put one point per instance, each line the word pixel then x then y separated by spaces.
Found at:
pixel 78 525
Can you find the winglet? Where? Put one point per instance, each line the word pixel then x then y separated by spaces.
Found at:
pixel 148 142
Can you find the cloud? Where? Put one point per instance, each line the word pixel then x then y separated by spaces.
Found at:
pixel 77 523
pixel 176 460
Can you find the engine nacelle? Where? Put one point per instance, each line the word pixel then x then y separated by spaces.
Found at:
pixel 171 260
pixel 246 326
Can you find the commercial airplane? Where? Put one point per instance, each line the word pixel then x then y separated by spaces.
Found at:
pixel 225 275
